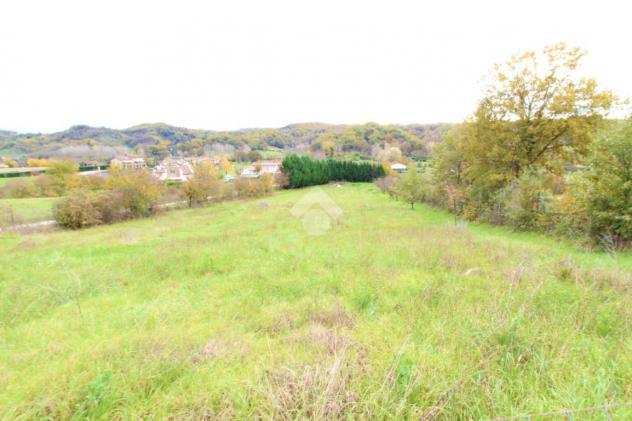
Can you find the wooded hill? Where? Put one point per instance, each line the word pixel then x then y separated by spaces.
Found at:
pixel 158 140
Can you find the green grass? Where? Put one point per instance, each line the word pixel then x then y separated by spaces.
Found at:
pixel 25 170
pixel 30 209
pixel 5 180
pixel 234 310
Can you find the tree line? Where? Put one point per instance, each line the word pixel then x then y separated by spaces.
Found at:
pixel 539 153
pixel 303 171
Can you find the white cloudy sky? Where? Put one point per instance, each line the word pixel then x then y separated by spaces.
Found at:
pixel 231 64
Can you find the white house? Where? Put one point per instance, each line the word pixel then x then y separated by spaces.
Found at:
pixel 249 172
pixel 173 169
pixel 260 168
pixel 398 167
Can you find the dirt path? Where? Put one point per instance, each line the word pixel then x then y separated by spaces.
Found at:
pixel 30 227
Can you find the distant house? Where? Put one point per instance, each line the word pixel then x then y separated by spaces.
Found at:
pixel 262 167
pixel 249 172
pixel 269 167
pixel 3 165
pixel 173 169
pixel 399 168
pixel 128 163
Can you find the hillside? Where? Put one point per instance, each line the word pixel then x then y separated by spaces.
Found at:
pixel 89 143
pixel 235 310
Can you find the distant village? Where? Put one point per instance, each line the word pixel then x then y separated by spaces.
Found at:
pixel 170 169
pixel 173 169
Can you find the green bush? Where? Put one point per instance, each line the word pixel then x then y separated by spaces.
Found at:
pixel 254 187
pixel 610 193
pixel 409 187
pixel 137 190
pixel 204 184
pixel 20 188
pixel 63 176
pixel 78 210
pixel 527 203
pixel 571 207
pixel 131 194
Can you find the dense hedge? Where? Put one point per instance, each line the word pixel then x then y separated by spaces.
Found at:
pixel 304 171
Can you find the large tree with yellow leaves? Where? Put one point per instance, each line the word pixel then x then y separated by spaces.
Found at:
pixel 537 113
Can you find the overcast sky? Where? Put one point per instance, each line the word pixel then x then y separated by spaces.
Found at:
pixel 233 64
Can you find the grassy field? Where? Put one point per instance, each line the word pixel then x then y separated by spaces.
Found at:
pixel 236 310
pixel 30 209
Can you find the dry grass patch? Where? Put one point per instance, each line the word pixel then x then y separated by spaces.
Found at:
pixel 331 341
pixel 336 316
pixel 219 348
pixel 569 270
pixel 281 323
pixel 321 391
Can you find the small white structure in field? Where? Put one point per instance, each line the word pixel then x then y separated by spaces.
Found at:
pixel 400 168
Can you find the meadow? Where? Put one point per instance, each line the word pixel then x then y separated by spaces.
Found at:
pixel 30 209
pixel 236 310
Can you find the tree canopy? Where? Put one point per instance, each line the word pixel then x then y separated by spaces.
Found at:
pixel 537 111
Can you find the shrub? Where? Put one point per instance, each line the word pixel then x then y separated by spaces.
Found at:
pixel 203 184
pixel 409 187
pixel 45 186
pixel 113 206
pixel 570 208
pixel 21 188
pixel 131 194
pixel 387 184
pixel 527 202
pixel 91 182
pixel 267 183
pixel 610 194
pixel 63 175
pixel 228 191
pixel 137 189
pixel 78 210
pixel 251 187
pixel 248 187
pixel 82 209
